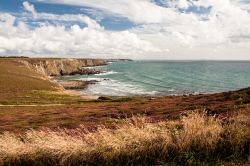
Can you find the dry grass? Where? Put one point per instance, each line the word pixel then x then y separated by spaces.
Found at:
pixel 17 80
pixel 200 132
pixel 195 139
pixel 22 85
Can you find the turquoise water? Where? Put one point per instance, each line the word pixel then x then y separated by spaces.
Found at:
pixel 168 77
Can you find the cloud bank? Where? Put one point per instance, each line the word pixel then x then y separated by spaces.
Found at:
pixel 92 40
pixel 181 29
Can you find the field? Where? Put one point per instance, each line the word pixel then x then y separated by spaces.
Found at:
pixel 45 126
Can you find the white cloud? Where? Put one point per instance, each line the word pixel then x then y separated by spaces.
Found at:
pixel 183 4
pixel 139 11
pixel 225 28
pixel 69 17
pixel 30 8
pixel 225 20
pixel 221 32
pixel 56 40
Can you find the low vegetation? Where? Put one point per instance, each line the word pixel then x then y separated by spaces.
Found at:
pixel 40 125
pixel 21 85
pixel 195 139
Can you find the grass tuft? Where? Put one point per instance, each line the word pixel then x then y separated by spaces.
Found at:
pixel 195 139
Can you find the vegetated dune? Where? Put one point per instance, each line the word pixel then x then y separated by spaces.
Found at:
pixel 195 139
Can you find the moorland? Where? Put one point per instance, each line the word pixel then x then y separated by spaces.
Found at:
pixel 41 123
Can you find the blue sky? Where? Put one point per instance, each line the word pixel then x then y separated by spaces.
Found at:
pixel 138 29
pixel 108 21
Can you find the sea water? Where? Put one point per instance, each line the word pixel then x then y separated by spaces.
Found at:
pixel 126 78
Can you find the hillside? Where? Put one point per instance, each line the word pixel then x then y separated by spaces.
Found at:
pixel 26 81
pixel 41 125
pixel 17 80
pixel 25 88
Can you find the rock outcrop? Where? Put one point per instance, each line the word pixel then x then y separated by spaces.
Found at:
pixel 75 84
pixel 57 67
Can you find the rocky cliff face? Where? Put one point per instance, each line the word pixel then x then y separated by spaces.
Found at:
pixel 56 67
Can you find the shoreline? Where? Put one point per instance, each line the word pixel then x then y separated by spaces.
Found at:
pixel 57 107
pixel 80 94
pixel 77 87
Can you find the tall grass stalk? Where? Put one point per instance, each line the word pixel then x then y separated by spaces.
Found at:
pixel 195 139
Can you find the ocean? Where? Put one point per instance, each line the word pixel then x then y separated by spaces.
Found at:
pixel 132 78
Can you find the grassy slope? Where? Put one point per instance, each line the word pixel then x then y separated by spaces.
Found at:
pixel 17 80
pixel 138 141
pixel 20 85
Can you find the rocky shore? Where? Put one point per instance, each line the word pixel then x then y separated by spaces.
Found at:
pixel 56 67
pixel 60 67
pixel 52 68
pixel 75 84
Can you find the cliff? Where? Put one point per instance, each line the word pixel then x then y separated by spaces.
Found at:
pixel 56 67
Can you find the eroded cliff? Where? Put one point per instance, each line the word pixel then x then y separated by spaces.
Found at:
pixel 56 67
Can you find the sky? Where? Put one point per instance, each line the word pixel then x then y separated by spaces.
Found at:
pixel 134 29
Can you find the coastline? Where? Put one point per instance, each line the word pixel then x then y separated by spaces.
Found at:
pixel 137 78
pixel 125 83
pixel 109 85
pixel 76 87
pixel 28 102
pixel 51 68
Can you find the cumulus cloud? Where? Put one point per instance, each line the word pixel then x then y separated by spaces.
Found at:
pixel 222 23
pixel 30 8
pixel 76 41
pixel 174 29
pixel 70 18
pixel 139 11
